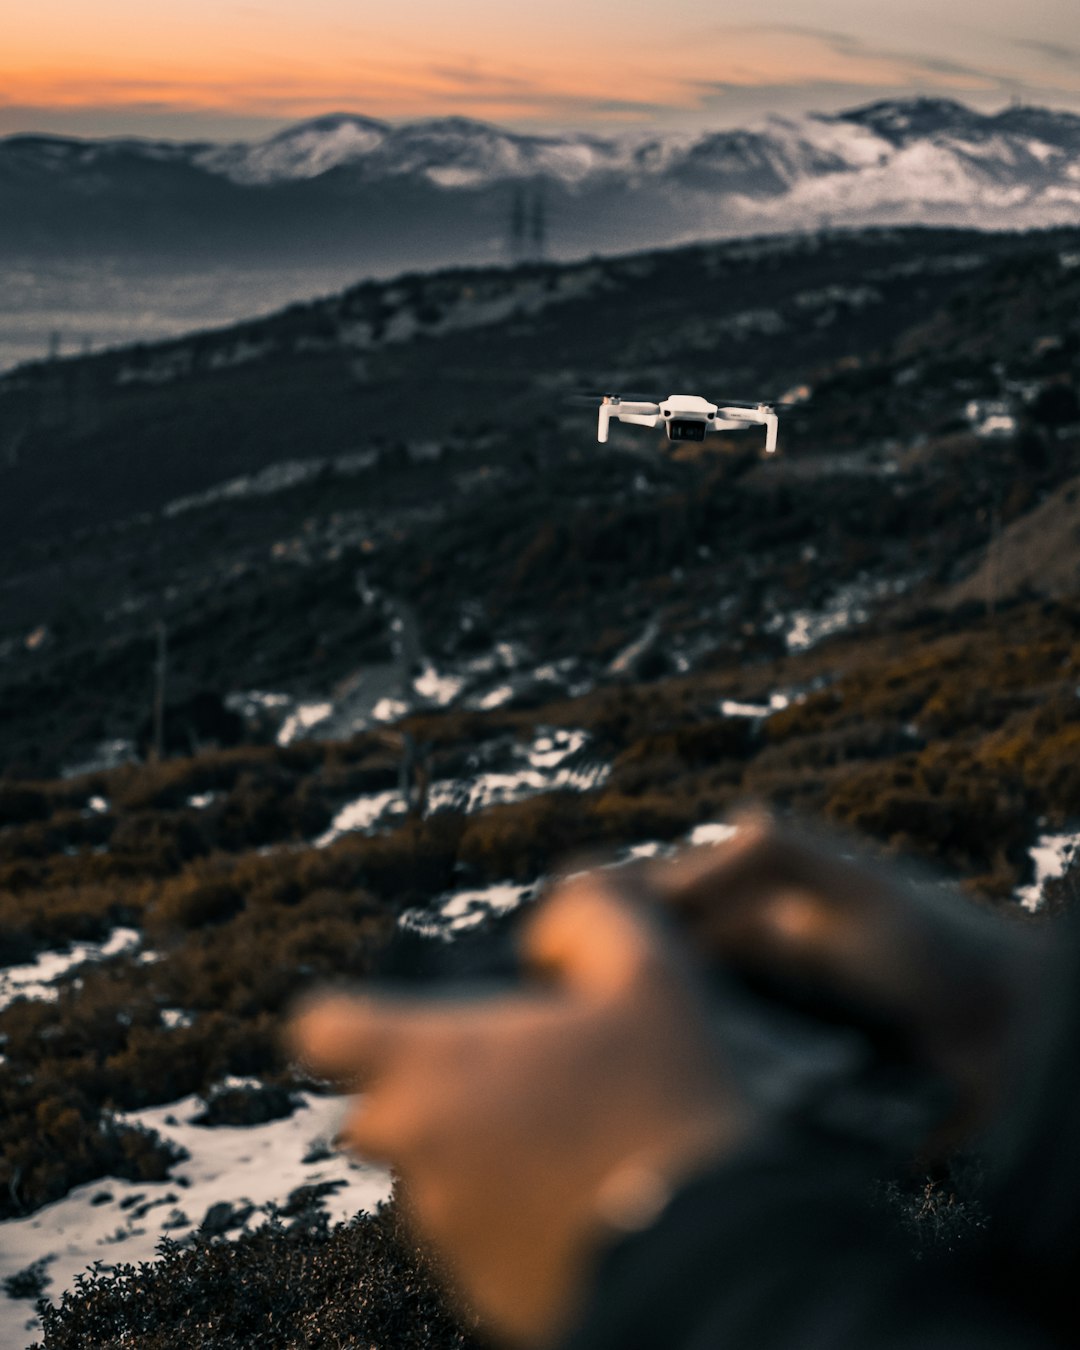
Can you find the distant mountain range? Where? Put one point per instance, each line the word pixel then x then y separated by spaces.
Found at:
pixel 349 189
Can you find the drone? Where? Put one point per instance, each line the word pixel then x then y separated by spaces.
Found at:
pixel 687 417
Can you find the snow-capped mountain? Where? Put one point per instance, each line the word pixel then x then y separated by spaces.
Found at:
pixel 1021 146
pixel 438 191
pixel 453 152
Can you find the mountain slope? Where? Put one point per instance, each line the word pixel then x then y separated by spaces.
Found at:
pixel 314 502
pixel 348 185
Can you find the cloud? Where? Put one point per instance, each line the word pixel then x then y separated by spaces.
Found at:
pixel 722 75
pixel 850 47
pixel 1056 51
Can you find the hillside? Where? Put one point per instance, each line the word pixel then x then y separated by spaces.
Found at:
pixel 383 548
pixel 280 493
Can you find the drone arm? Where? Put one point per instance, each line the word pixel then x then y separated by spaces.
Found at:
pixel 639 419
pixel 772 426
pixel 764 416
pixel 603 424
pixel 644 414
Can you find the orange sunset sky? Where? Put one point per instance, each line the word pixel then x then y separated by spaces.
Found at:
pixel 221 68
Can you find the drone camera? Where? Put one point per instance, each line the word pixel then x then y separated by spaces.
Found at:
pixel 686 429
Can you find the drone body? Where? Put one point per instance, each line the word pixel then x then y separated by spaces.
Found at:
pixel 686 417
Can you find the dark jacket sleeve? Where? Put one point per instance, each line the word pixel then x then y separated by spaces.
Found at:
pixel 782 1249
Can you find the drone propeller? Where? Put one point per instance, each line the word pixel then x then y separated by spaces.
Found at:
pixel 589 399
pixel 586 398
pixel 760 402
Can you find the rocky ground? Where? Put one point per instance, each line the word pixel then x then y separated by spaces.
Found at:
pixel 404 677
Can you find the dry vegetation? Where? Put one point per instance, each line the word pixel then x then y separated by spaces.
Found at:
pixel 953 745
pixel 951 733
pixel 293 1285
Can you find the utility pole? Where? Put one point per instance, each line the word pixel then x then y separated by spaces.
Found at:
pixel 993 560
pixel 157 748
pixel 517 226
pixel 538 226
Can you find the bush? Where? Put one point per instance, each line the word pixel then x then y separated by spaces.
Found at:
pixel 60 1141
pixel 358 1284
pixel 19 803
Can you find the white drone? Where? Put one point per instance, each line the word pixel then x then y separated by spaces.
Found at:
pixel 686 417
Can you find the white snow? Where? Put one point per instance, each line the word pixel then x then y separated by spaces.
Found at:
pixel 547 751
pixel 461 910
pixel 715 832
pixel 1051 855
pixel 730 707
pixel 303 718
pixel 1002 425
pixel 849 606
pixel 441 690
pixel 38 978
pixel 389 710
pixel 541 766
pixel 361 814
pixel 495 698
pixel 545 769
pixel 250 702
pixel 299 152
pixel 831 166
pixel 253 1164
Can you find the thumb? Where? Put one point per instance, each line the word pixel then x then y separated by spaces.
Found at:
pixel 351 1038
pixel 596 936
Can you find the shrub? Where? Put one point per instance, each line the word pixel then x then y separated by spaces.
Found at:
pixel 60 1141
pixel 363 1283
pixel 20 803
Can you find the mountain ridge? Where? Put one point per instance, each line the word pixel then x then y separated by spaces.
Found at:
pixel 346 184
pixel 896 122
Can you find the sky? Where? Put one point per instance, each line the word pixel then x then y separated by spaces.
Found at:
pixel 241 69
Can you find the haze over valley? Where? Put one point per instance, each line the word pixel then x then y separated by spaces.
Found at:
pixel 127 239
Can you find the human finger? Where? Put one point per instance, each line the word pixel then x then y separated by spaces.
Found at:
pixel 351 1038
pixel 593 936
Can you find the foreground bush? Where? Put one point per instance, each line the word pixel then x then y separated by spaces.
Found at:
pixel 357 1284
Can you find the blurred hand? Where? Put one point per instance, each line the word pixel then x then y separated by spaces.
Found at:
pixel 526 1126
pixel 954 978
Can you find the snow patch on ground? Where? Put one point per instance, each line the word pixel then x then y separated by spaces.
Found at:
pixel 111 1221
pixel 462 910
pixel 714 832
pixel 39 979
pixel 306 716
pixel 730 707
pixel 554 761
pixel 441 690
pixel 362 814
pixel 254 1165
pixel 850 606
pixel 1051 855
